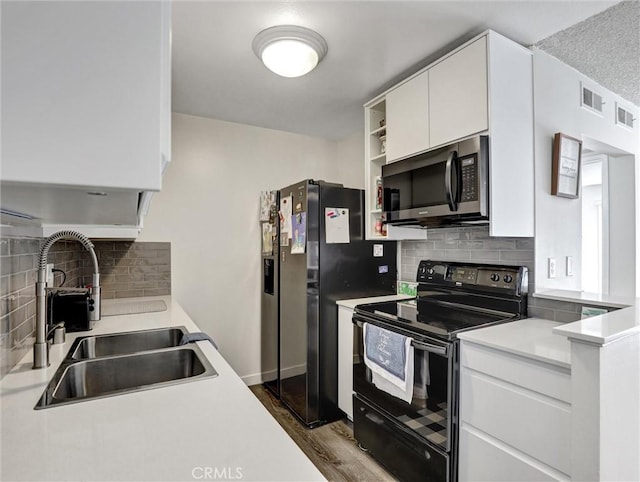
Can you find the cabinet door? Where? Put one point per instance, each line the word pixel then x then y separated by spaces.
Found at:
pixel 408 118
pixel 85 92
pixel 345 360
pixel 481 457
pixel 458 96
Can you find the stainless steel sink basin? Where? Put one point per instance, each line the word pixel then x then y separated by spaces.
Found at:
pixel 109 374
pixel 124 343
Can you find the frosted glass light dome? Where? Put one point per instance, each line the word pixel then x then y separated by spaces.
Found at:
pixel 289 50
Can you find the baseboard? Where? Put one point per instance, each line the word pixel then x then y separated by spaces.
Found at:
pixel 255 379
pixel 258 378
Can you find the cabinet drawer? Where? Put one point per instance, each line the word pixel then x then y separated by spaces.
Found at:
pixel 531 423
pixel 550 380
pixel 480 459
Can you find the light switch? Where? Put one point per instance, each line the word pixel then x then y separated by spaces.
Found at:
pixel 552 267
pixel 569 265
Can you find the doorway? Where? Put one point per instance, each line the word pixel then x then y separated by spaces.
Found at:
pixel 595 224
pixel 608 223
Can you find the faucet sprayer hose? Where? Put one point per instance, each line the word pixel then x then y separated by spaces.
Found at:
pixel 68 234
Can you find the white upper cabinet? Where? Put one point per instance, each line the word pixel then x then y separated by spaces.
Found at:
pixel 483 87
pixel 458 99
pixel 408 118
pixel 86 93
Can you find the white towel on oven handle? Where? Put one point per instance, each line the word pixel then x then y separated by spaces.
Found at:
pixel 386 381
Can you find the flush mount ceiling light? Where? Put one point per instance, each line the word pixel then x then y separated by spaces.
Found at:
pixel 289 50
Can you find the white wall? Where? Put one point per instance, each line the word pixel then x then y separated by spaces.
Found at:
pixel 350 157
pixel 622 228
pixel 208 210
pixel 557 109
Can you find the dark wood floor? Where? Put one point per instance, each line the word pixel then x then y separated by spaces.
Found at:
pixel 331 447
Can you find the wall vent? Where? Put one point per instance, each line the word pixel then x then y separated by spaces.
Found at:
pixel 591 100
pixel 624 117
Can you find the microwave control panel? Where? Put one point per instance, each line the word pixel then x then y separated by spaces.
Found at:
pixel 469 175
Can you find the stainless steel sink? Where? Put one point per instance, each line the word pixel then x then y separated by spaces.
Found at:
pixel 110 373
pixel 124 343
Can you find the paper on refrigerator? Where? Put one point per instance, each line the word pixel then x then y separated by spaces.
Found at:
pixel 267 199
pixel 267 239
pixel 336 225
pixel 285 218
pixel 299 225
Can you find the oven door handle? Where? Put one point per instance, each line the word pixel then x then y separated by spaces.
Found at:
pixel 439 350
pixel 418 345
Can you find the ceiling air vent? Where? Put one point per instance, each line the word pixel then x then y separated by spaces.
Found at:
pixel 591 100
pixel 624 117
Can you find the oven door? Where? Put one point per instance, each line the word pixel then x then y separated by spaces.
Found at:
pixel 431 412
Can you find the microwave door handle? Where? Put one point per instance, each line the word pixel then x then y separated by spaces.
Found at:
pixel 451 197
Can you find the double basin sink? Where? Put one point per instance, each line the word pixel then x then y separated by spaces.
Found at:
pixel 107 365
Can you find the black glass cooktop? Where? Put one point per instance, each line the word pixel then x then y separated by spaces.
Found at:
pixel 434 318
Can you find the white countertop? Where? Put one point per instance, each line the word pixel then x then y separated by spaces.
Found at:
pixel 213 426
pixel 352 303
pixel 531 338
pixel 583 297
pixel 601 329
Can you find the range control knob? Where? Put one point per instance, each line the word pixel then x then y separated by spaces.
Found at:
pixel 508 278
pixel 422 270
pixel 430 271
pixel 495 277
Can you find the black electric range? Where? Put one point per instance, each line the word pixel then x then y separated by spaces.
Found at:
pixel 417 439
pixel 434 318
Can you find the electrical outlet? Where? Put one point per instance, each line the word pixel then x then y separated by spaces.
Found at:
pixel 569 265
pixel 552 267
pixel 50 275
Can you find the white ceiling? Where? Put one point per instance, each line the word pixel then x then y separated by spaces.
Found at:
pixel 372 45
pixel 605 47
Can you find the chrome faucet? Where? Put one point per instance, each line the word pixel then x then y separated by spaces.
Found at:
pixel 40 347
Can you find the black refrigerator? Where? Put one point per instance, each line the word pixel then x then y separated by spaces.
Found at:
pixel 269 302
pixel 323 257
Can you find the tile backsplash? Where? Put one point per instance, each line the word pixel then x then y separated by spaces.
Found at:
pixel 130 269
pixel 562 311
pixel 18 259
pixel 471 244
pixel 127 269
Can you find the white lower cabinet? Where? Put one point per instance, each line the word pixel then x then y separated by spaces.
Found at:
pixel 345 361
pixel 486 460
pixel 515 417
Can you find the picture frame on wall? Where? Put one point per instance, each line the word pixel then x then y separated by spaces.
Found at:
pixel 566 166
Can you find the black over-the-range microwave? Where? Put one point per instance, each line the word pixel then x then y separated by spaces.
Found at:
pixel 446 186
